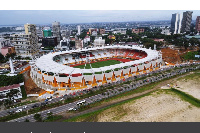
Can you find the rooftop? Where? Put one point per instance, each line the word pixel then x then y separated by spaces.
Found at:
pixel 9 87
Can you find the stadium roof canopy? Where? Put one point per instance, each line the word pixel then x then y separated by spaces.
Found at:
pixel 46 63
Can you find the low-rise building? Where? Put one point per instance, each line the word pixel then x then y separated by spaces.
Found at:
pixel 101 31
pixel 99 42
pixel 86 39
pixel 7 89
pixel 7 50
pixel 4 42
pixel 111 37
pixel 78 44
pixel 158 40
pixel 166 32
pixel 136 31
pixel 91 30
pixel 49 42
pixel 119 31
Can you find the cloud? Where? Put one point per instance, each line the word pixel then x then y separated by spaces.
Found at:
pixel 9 17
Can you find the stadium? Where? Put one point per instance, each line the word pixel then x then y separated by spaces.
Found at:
pixel 86 68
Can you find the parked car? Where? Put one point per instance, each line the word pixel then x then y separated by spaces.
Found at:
pixel 11 112
pixel 24 107
pixel 19 110
pixel 35 105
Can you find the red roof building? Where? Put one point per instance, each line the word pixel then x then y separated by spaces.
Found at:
pixel 14 86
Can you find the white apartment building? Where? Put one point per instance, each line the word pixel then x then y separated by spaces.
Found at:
pixel 26 44
pixel 79 29
pixel 99 42
pixel 166 32
pixel 86 39
pixel 119 30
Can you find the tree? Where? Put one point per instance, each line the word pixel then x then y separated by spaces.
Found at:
pixel 27 120
pixel 2 58
pixel 7 102
pixel 38 117
pixel 194 41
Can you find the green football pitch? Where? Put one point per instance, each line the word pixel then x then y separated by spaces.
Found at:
pixel 99 64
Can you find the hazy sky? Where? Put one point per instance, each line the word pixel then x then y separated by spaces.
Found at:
pixel 9 17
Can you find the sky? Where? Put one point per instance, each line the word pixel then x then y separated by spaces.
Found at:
pixel 11 17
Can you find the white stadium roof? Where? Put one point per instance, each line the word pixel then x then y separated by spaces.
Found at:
pixel 46 63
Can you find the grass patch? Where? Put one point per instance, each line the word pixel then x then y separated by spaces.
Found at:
pixel 53 118
pixel 186 97
pixel 98 64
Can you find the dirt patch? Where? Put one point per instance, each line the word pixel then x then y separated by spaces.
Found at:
pixel 190 85
pixel 30 86
pixel 174 55
pixel 158 107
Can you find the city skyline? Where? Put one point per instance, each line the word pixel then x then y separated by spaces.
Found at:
pixel 15 17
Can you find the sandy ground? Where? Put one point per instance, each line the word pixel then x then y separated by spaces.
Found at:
pixel 157 107
pixel 190 86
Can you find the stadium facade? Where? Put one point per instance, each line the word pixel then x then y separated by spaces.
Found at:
pixel 56 68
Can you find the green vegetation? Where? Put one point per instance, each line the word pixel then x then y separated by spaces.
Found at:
pixel 24 95
pixel 10 80
pixel 191 55
pixel 87 73
pixel 48 48
pixel 38 117
pixel 51 117
pixel 186 97
pixel 99 64
pixel 12 116
pixel 98 72
pixel 6 58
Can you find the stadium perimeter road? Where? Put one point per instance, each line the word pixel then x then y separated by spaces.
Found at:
pixel 62 109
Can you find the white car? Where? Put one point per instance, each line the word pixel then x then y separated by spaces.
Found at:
pixel 83 101
pixel 61 99
pixel 70 109
pixel 19 110
pixel 50 100
pixel 24 107
pixel 48 112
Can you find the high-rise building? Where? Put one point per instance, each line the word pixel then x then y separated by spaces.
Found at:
pixel 79 29
pixel 197 27
pixel 186 21
pixel 26 44
pixel 47 32
pixel 176 23
pixel 56 30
